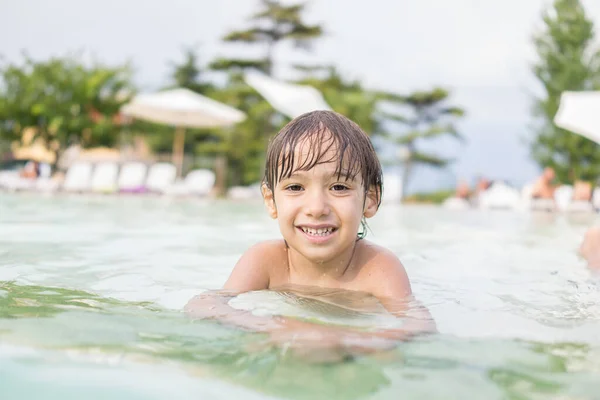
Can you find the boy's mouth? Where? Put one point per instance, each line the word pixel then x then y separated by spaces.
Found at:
pixel 317 231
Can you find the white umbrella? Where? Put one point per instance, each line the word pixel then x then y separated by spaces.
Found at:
pixel 182 108
pixel 287 98
pixel 579 112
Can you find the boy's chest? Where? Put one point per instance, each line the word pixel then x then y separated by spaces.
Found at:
pixel 287 277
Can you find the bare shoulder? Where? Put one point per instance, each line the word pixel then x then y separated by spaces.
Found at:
pixel 381 271
pixel 253 269
pixel 269 248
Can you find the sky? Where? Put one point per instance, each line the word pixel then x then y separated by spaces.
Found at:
pixel 480 50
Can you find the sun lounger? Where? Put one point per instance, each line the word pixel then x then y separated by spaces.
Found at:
pixel 78 177
pixel 563 196
pixel 160 177
pixel 456 203
pixel 580 206
pixel 132 177
pixel 500 196
pixel 104 178
pixel 244 192
pixel 393 188
pixel 198 182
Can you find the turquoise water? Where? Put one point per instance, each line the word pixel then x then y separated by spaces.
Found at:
pixel 91 290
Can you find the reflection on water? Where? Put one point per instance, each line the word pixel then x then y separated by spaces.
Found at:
pixel 69 326
pixel 333 306
pixel 106 331
pixel 91 291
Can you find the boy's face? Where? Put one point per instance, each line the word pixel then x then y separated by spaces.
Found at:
pixel 319 215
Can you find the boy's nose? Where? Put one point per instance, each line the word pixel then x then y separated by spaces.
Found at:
pixel 317 204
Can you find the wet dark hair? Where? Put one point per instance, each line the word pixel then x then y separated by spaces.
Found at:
pixel 321 131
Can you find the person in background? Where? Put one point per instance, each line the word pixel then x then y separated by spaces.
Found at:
pixel 31 170
pixel 481 186
pixel 462 190
pixel 544 187
pixel 582 191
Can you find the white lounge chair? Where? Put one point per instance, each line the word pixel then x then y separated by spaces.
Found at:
pixel 580 206
pixel 563 196
pixel 500 196
pixel 198 182
pixel 104 178
pixel 244 192
pixel 392 192
pixel 13 182
pixel 132 177
pixel 456 203
pixel 45 183
pixel 160 177
pixel 78 177
pixel 596 198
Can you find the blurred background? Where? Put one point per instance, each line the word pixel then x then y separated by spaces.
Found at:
pixel 449 90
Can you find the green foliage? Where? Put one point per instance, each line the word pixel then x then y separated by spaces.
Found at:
pixel 425 115
pixel 346 97
pixel 188 74
pixel 566 61
pixel 63 98
pixel 272 24
pixel 229 64
pixel 436 197
pixel 428 117
pixel 244 147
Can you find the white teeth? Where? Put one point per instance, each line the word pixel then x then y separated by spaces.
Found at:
pixel 317 232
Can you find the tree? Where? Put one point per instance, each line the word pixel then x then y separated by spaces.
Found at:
pixel 273 24
pixel 63 98
pixel 244 147
pixel 566 61
pixel 429 117
pixel 188 74
pixel 346 97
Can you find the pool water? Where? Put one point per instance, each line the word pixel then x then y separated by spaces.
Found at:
pixel 91 292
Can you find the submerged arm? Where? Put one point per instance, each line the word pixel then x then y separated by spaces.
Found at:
pixel 391 286
pixel 248 274
pixel 415 317
pixel 313 341
pixel 215 305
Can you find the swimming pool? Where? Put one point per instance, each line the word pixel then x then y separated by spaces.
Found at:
pixel 91 290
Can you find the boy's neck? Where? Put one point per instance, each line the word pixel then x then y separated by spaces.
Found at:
pixel 310 270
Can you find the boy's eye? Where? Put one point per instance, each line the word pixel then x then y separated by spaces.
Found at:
pixel 339 187
pixel 294 188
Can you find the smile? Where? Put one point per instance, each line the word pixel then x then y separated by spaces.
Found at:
pixel 317 232
pixel 318 236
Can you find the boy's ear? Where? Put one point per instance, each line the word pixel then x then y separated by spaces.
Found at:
pixel 370 203
pixel 269 200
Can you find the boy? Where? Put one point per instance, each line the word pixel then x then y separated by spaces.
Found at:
pixel 322 179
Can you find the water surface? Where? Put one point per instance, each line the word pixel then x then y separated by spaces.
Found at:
pixel 91 291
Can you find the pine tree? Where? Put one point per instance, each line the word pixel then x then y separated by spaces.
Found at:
pixel 272 25
pixel 566 62
pixel 428 116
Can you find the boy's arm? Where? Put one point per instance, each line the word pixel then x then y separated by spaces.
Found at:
pixel 248 274
pixel 251 272
pixel 215 305
pixel 390 284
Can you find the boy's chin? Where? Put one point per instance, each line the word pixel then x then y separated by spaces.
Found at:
pixel 320 255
